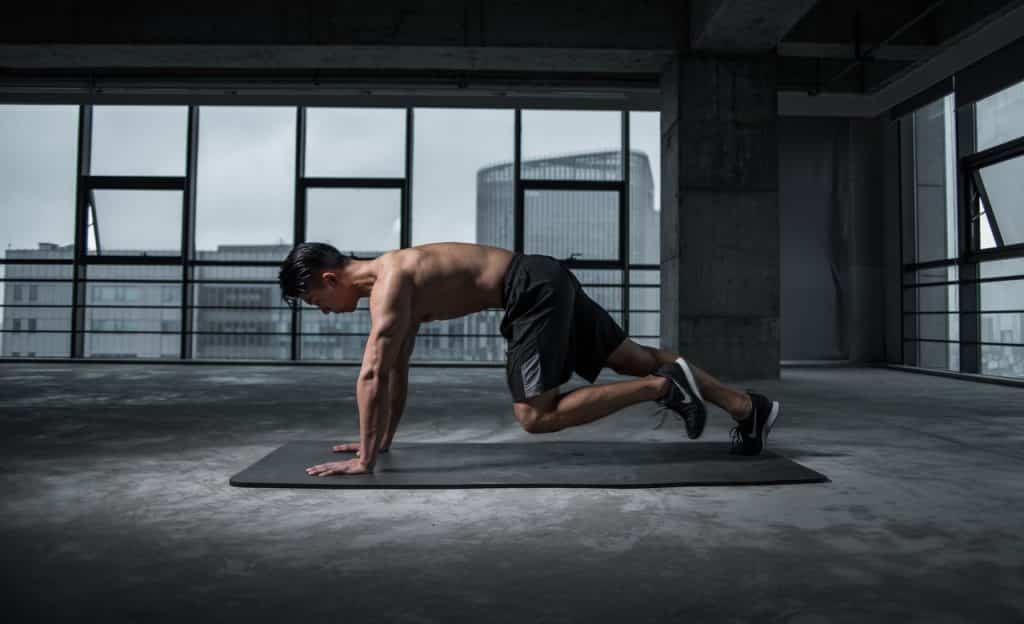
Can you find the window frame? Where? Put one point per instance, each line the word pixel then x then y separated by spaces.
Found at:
pixel 186 263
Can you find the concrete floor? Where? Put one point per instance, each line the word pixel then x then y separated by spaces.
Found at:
pixel 116 507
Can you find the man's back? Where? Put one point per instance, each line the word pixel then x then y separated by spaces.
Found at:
pixel 450 279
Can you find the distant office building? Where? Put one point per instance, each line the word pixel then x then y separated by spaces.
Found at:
pixel 581 224
pixel 563 223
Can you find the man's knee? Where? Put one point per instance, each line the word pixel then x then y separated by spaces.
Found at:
pixel 533 413
pixel 530 419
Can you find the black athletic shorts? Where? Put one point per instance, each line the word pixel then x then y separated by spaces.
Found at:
pixel 552 327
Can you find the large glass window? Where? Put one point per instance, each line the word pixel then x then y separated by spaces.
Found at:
pixel 964 311
pixel 999 191
pixel 933 215
pixel 572 145
pixel 339 337
pixel 355 142
pixel 354 189
pixel 38 156
pixel 1002 318
pixel 355 220
pixel 645 226
pixel 1000 117
pixel 644 188
pixel 139 140
pixel 245 194
pixel 995 183
pixel 38 153
pixel 127 314
pixel 36 326
pixel 463 190
pixel 931 321
pixel 564 224
pixel 243 319
pixel 462 183
pixel 135 222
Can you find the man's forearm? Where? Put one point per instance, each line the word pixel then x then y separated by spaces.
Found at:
pixel 372 398
pixel 398 384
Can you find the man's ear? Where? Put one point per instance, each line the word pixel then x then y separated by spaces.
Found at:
pixel 329 278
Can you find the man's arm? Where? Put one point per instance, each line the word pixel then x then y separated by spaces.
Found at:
pixel 390 319
pixel 398 387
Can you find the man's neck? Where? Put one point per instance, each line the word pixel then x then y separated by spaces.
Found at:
pixel 362 274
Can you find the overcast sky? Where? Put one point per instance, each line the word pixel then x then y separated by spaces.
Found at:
pixel 245 191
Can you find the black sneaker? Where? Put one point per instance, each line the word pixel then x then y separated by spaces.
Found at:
pixel 750 435
pixel 683 397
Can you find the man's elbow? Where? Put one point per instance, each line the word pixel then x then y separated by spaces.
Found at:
pixel 376 374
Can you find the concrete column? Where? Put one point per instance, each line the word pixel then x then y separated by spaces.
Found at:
pixel 720 214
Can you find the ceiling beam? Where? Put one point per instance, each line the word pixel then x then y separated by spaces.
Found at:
pixel 339 57
pixel 998 31
pixel 743 25
pixel 808 49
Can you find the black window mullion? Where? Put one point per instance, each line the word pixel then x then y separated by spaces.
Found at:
pixel 969 289
pixel 624 214
pixel 139 183
pixel 573 185
pixel 81 222
pixel 900 191
pixel 379 183
pixel 405 235
pixel 299 232
pixel 188 219
pixel 518 194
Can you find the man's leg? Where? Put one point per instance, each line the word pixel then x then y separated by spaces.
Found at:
pixel 631 358
pixel 551 411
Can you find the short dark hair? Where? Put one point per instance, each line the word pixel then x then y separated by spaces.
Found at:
pixel 300 270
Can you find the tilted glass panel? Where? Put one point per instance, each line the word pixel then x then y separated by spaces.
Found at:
pixel 1004 185
pixel 134 223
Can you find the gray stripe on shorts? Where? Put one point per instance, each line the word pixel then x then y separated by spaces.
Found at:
pixel 531 376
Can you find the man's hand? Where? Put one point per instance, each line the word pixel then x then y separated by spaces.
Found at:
pixel 349 466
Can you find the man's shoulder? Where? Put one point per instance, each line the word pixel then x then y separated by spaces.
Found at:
pixel 397 266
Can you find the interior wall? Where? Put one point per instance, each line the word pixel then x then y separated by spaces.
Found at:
pixel 808 207
pixel 831 205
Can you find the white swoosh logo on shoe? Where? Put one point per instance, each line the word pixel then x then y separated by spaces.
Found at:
pixel 686 395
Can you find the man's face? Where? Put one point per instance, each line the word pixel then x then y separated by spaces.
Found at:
pixel 332 296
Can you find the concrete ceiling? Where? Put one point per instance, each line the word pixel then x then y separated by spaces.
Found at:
pixel 838 47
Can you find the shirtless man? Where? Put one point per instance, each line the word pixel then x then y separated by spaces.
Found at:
pixel 553 329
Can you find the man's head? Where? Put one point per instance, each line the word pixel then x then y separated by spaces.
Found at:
pixel 315 273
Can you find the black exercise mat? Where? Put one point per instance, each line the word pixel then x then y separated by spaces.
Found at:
pixel 530 464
